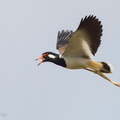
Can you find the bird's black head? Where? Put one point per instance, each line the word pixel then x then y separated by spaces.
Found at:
pixel 52 57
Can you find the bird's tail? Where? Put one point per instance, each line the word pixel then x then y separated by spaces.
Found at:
pixel 106 68
pixel 100 68
pixel 103 67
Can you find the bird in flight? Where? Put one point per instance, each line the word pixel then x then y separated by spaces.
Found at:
pixel 78 48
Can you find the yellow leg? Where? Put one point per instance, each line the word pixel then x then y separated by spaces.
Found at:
pixel 102 75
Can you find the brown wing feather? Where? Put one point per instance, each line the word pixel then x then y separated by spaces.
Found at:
pixel 85 41
pixel 93 28
pixel 63 39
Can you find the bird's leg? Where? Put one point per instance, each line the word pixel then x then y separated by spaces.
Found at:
pixel 102 75
pixel 90 70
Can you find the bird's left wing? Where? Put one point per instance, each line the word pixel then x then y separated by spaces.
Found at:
pixel 63 39
pixel 85 41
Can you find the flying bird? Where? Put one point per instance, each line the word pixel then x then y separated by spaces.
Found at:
pixel 78 48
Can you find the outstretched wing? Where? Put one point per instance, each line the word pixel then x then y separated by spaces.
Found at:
pixel 85 40
pixel 63 39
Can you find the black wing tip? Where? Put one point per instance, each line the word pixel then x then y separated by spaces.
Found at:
pixel 90 18
pixel 94 17
pixel 91 21
pixel 93 27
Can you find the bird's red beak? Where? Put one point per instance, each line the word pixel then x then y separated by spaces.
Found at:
pixel 42 57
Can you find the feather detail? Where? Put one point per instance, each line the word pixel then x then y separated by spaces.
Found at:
pixel 63 39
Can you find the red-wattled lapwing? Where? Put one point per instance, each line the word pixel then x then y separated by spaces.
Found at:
pixel 77 48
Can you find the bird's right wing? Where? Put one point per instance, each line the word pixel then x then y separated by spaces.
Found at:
pixel 63 40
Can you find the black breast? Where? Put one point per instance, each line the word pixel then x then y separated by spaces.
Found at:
pixel 59 61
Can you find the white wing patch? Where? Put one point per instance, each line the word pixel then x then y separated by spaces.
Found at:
pixel 51 56
pixel 87 48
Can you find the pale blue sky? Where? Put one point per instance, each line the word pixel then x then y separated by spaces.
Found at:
pixel 49 92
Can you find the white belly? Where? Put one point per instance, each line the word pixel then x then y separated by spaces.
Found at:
pixel 76 63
